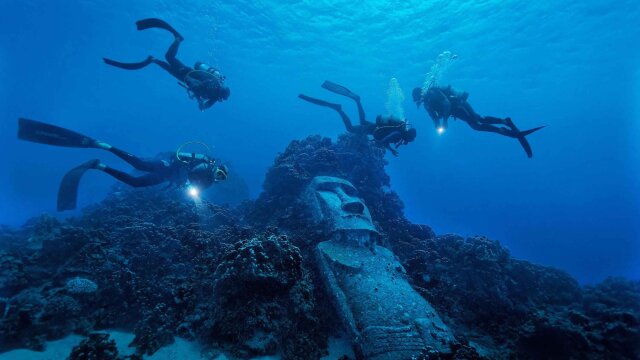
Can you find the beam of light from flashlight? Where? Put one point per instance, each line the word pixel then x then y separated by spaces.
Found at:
pixel 440 130
pixel 194 192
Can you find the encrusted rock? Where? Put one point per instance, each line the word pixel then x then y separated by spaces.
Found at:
pixel 97 346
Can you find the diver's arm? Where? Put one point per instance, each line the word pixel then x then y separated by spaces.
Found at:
pixel 200 103
pixel 204 104
pixel 434 117
pixel 393 138
pixel 446 108
pixel 207 104
pixel 392 150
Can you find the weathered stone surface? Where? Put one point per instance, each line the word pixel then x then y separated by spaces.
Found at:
pixel 334 202
pixel 385 317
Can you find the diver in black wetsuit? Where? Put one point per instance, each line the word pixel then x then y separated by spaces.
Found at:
pixel 203 82
pixel 386 130
pixel 443 102
pixel 184 168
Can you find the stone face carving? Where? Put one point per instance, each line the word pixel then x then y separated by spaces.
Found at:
pixel 384 316
pixel 335 202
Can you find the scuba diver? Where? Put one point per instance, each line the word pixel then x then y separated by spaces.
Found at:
pixel 198 171
pixel 203 82
pixel 443 102
pixel 386 130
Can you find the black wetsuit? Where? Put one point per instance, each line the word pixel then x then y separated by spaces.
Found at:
pixel 386 130
pixel 158 171
pixel 206 86
pixel 444 102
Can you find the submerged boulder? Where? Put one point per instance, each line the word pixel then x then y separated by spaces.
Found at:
pixel 268 265
pixel 97 346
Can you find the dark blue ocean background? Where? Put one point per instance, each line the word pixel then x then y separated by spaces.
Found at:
pixel 571 65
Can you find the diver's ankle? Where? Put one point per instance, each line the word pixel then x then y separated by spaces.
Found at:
pixel 103 145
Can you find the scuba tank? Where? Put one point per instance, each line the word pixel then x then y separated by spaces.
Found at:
pixel 200 66
pixel 204 67
pixel 201 170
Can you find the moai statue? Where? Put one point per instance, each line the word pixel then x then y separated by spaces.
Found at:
pixel 384 316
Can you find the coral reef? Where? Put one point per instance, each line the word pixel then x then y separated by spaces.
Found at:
pixel 506 306
pixel 244 279
pixel 80 286
pixel 264 301
pixel 95 347
pixel 136 261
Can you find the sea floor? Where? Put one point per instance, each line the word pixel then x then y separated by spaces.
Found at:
pixel 181 349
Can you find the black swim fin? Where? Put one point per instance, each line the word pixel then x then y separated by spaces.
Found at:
pixel 530 131
pixel 340 90
pixel 525 145
pixel 523 140
pixel 129 66
pixel 68 191
pixel 43 133
pixel 151 23
pixel 304 97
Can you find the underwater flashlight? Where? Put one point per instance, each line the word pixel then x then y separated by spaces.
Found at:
pixel 193 192
pixel 440 130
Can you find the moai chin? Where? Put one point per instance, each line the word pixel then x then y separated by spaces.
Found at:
pixel 384 316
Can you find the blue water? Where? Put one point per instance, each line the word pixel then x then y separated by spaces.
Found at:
pixel 571 65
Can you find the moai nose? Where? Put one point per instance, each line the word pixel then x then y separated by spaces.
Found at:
pixel 354 207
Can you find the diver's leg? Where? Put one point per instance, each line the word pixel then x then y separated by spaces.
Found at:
pixel 135 181
pixel 136 162
pixel 345 119
pixel 361 112
pixel 494 120
pixel 172 52
pixel 163 65
pixel 491 120
pixel 467 110
pixel 178 73
pixel 475 124
pixel 466 113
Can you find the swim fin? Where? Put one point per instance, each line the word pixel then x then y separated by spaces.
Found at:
pixel 151 23
pixel 523 140
pixel 340 90
pixel 129 66
pixel 525 145
pixel 68 190
pixel 530 131
pixel 336 107
pixel 43 133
